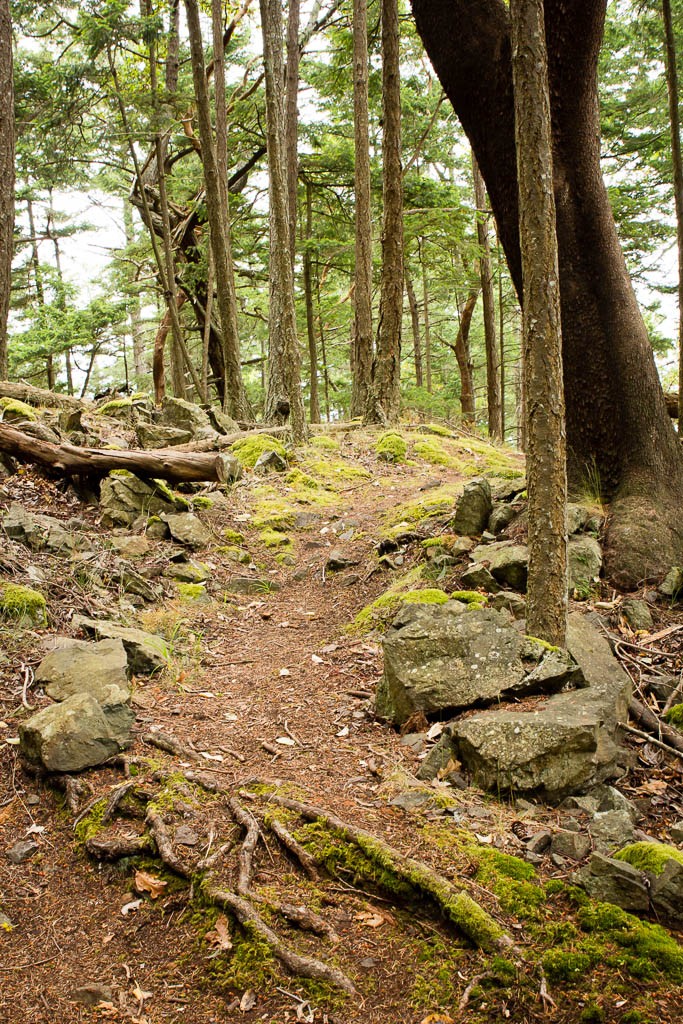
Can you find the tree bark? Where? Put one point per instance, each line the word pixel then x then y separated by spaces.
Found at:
pixel 314 402
pixel 292 119
pixel 70 460
pixel 618 429
pixel 493 400
pixel 284 397
pixel 415 322
pixel 361 355
pixel 461 348
pixel 6 175
pixel 546 464
pixel 384 398
pixel 677 160
pixel 428 326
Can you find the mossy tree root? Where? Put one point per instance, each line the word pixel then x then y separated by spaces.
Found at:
pixel 457 906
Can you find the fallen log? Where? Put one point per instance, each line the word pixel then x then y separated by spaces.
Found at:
pixel 70 460
pixel 39 397
pixel 653 724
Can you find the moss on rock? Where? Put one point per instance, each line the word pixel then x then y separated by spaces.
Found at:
pixel 391 447
pixel 674 715
pixel 22 604
pixel 649 857
pixel 248 450
pixel 11 409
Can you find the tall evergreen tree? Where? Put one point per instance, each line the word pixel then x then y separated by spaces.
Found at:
pixel 6 175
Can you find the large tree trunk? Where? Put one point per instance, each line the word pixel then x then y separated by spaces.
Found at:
pixel 6 175
pixel 361 355
pixel 618 430
pixel 546 614
pixel 677 161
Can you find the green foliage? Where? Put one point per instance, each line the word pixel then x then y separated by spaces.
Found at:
pixel 674 716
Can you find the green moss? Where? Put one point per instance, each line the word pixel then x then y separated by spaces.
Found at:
pixel 471 597
pixel 382 610
pixel 650 857
pixel 391 447
pixel 275 539
pixel 332 472
pixel 570 965
pixel 162 489
pixel 248 450
pixel 13 409
pixel 433 451
pixel 323 442
pixel 674 715
pixel 535 648
pixel 438 429
pixel 274 514
pixel 437 502
pixel 512 880
pixel 299 480
pixel 22 604
pixel 233 537
pixel 89 826
pixel 115 406
pixel 192 592
pixel 447 541
pixel 643 949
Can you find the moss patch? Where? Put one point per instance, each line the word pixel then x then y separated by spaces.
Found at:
pixel 650 857
pixel 13 409
pixel 333 472
pixel 434 452
pixel 323 442
pixel 22 604
pixel 391 447
pixel 192 592
pixel 437 502
pixel 275 539
pixel 248 450
pixel 116 406
pixel 675 715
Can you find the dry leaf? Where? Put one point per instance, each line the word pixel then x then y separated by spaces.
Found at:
pixel 211 757
pixel 316 659
pixel 656 786
pixel 146 882
pixel 220 933
pixel 367 917
pixel 285 741
pixel 435 731
pixel 141 995
pixel 344 731
pixel 248 1001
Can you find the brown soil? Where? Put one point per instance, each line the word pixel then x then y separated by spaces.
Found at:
pixel 249 673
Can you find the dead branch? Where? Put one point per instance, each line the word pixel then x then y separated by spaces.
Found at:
pixel 115 847
pixel 39 397
pixel 164 845
pixel 653 724
pixel 69 460
pixel 304 858
pixel 248 822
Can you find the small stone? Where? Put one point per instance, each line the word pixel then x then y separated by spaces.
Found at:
pixel 473 508
pixel 539 841
pixel 637 613
pixel 673 583
pixel 338 559
pixel 131 547
pixel 611 829
pixel 6 924
pixel 270 462
pixel 478 577
pixel 412 799
pixel 676 832
pixel 570 845
pixel 368 962
pixel 415 741
pixel 584 562
pixel 187 529
pixel 610 799
pixel 509 601
pixel 501 517
pixel 185 836
pixel 32 800
pixel 22 851
pixel 614 881
pixel 81 667
pixel 557 861
pixel 92 994
pixel 146 652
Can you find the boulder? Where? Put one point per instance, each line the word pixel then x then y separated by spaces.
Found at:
pixel 637 613
pixel 221 422
pixel 40 532
pixel 73 735
pixel 156 435
pixel 124 497
pixel 146 652
pixel 584 562
pixel 187 529
pixel 473 508
pixel 478 577
pixel 182 415
pixel 507 563
pixel 82 667
pixel 440 658
pixel 611 829
pixel 613 881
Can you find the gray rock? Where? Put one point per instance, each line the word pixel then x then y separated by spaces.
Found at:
pixel 187 571
pixel 221 422
pixel 176 412
pixel 502 516
pixel 81 667
pixel 443 657
pixel 70 420
pixel 509 601
pixel 584 562
pixel 185 836
pixel 124 497
pixel 507 563
pixel 40 532
pixel 412 799
pixel 478 577
pixel 611 830
pixel 556 671
pixel 613 881
pixel 22 851
pixel 131 582
pixel 610 799
pixel 539 841
pixel 71 736
pixel 187 529
pixel 676 832
pixel 571 845
pixel 92 994
pixel 131 547
pixel 579 518
pixel 637 613
pixel 473 508
pixel 338 559
pixel 270 462
pixel 146 652
pixel 666 891
pixel 6 924
pixel 609 686
pixel 438 757
pixel 672 584
pixel 156 435
pixel 251 585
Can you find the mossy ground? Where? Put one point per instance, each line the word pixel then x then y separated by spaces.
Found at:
pixel 12 408
pixel 249 450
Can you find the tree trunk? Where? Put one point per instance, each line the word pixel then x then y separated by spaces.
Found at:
pixel 292 119
pixel 38 284
pixel 38 397
pixel 69 460
pixel 284 397
pixel 677 160
pixel 6 175
pixel 384 399
pixel 361 356
pixel 314 404
pixel 546 465
pixel 618 430
pixel 217 200
pixel 428 326
pixel 488 306
pixel 462 354
pixel 415 322
pixel 137 332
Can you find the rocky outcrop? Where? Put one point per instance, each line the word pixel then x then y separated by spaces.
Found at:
pixel 124 497
pixel 76 734
pixel 473 508
pixel 40 532
pixel 147 652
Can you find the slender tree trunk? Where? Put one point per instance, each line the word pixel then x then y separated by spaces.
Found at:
pixel 284 369
pixel 6 175
pixel 675 126
pixel 415 322
pixel 314 405
pixel 546 615
pixel 39 286
pixel 501 335
pixel 361 356
pixel 488 306
pixel 137 333
pixel 428 330
pixel 292 118
pixel 213 158
pixel 464 358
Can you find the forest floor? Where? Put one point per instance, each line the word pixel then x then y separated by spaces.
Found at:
pixel 273 688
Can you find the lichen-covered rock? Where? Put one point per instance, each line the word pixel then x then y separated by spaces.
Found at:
pixel 473 508
pixel 479 577
pixel 187 529
pixel 176 412
pixel 121 409
pixel 80 667
pixel 637 613
pixel 584 562
pixel 156 435
pixel 507 563
pixel 41 532
pixel 22 605
pixel 442 657
pixel 612 881
pixel 73 735
pixel 123 497
pixel 146 652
